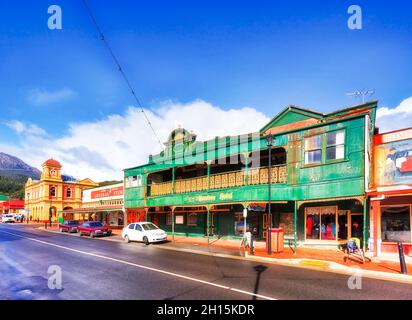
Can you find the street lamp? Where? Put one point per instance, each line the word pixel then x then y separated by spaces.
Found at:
pixel 269 143
pixel 28 208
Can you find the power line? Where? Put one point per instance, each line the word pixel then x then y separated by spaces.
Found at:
pixel 126 79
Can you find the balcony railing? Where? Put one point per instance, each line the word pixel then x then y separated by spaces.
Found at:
pixel 255 176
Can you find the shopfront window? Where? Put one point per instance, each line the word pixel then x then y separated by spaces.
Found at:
pixel 396 224
pixel 321 223
pixel 192 219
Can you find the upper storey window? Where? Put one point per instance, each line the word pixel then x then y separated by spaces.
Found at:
pixel 335 145
pixel 134 181
pixel 313 149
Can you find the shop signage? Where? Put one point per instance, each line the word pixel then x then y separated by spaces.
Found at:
pixel 107 193
pixel 209 198
pixel 393 163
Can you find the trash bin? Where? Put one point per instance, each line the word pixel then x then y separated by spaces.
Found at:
pixel 277 240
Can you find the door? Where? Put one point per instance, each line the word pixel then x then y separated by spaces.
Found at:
pixel 139 233
pixel 356 226
pixel 131 232
pixel 267 221
pixel 212 223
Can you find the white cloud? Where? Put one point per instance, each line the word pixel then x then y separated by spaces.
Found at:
pixel 43 97
pixel 23 128
pixel 396 118
pixel 101 149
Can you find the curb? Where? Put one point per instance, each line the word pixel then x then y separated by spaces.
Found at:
pixel 311 264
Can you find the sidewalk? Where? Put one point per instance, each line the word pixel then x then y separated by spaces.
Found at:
pixel 309 256
pixel 329 260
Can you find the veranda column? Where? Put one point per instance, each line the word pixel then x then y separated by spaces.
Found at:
pixel 246 179
pixel 173 223
pixel 295 231
pixel 364 224
pixel 208 224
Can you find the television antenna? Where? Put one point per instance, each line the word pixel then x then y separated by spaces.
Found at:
pixel 361 94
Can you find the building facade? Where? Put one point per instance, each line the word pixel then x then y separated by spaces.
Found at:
pixel 319 175
pixel 12 206
pixel 54 192
pixel 103 204
pixel 391 193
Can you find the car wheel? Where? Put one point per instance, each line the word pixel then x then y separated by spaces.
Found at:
pixel 91 235
pixel 126 239
pixel 146 240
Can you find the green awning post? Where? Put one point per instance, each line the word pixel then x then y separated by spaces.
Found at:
pixel 173 224
pixel 173 180
pixel 246 178
pixel 295 231
pixel 364 225
pixel 208 174
pixel 208 225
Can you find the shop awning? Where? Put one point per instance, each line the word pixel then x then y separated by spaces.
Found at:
pixel 92 210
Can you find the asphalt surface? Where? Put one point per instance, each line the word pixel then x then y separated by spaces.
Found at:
pixel 97 269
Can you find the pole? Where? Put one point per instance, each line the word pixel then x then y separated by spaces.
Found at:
pixel 402 258
pixel 173 224
pixel 269 202
pixel 208 225
pixel 295 231
pixel 364 225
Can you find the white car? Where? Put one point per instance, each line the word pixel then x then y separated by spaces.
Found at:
pixel 145 232
pixel 8 218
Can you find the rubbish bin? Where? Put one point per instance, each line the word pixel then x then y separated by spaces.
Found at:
pixel 277 239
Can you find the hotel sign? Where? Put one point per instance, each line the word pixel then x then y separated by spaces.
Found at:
pixel 107 193
pixel 209 198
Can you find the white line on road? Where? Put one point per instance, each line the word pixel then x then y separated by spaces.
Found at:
pixel 144 267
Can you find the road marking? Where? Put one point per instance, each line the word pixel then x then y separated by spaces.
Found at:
pixel 144 267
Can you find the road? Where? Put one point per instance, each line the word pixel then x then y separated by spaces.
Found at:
pixel 98 269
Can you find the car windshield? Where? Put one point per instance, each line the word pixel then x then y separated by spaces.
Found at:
pixel 73 223
pixel 149 226
pixel 96 224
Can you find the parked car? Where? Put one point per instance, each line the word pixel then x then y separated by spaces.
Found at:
pixel 69 226
pixel 8 218
pixel 94 228
pixel 145 232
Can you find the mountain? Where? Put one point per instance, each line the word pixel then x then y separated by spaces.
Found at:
pixel 14 168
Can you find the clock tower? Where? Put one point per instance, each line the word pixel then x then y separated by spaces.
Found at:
pixel 51 170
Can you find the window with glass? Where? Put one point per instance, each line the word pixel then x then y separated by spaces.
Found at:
pixel 168 219
pixel 313 149
pixel 286 222
pixel 396 224
pixel 335 145
pixel 52 191
pixel 192 219
pixel 69 193
pixel 321 223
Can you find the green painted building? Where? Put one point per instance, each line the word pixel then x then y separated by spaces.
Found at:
pixel 319 173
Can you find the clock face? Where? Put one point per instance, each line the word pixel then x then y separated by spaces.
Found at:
pixel 53 173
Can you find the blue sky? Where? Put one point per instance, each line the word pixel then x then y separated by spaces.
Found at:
pixel 231 54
